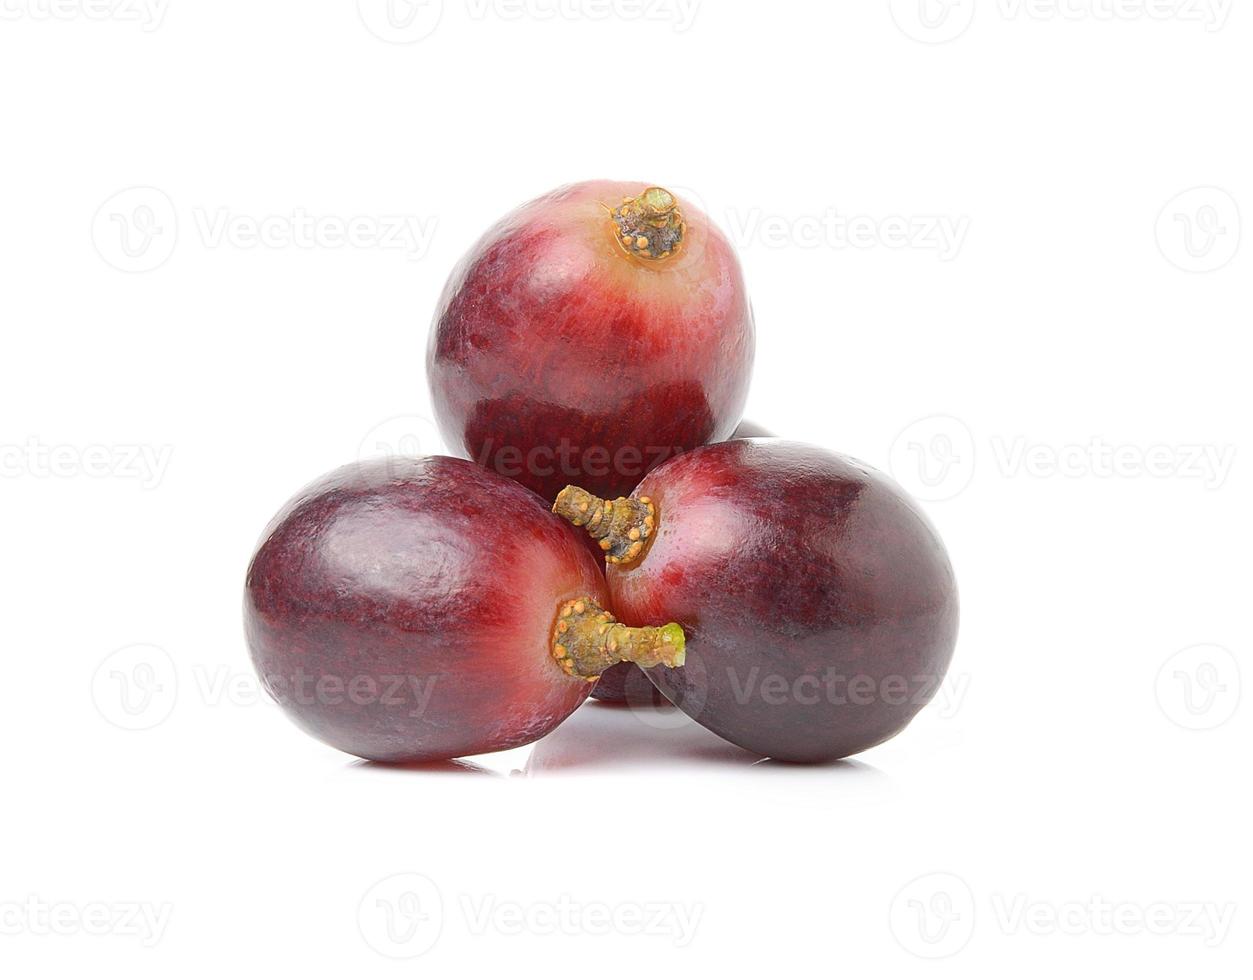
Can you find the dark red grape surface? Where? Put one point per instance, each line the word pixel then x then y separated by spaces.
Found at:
pixel 819 603
pixel 402 610
pixel 556 357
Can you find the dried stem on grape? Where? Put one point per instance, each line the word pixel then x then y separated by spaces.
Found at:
pixel 650 226
pixel 622 526
pixel 587 641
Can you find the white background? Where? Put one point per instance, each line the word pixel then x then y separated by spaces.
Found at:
pixel 1064 378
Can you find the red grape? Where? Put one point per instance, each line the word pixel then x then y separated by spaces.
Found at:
pixel 819 604
pixel 410 610
pixel 560 353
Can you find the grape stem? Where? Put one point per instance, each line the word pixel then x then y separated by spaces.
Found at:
pixel 587 641
pixel 650 226
pixel 622 526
